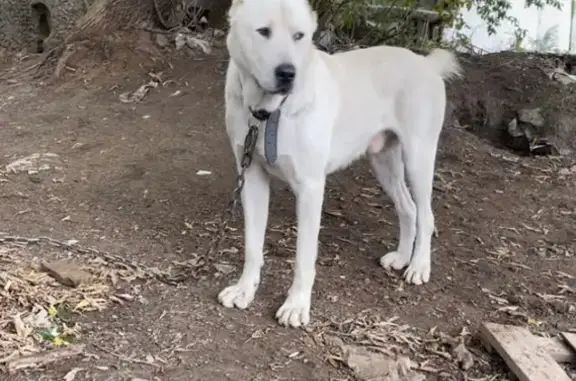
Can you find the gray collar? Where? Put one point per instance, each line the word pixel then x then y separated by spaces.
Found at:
pixel 270 130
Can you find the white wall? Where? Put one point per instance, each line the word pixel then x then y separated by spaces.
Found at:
pixel 535 21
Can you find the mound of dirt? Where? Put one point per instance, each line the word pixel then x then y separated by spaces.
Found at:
pixel 518 101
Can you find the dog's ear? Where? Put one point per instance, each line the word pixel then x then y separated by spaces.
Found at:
pixel 234 8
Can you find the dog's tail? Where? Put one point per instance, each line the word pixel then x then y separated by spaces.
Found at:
pixel 445 63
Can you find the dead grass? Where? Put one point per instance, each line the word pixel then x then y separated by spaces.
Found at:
pixel 36 309
pixel 42 291
pixel 371 345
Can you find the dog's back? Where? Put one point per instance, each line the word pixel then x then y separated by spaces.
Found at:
pixel 382 87
pixel 379 59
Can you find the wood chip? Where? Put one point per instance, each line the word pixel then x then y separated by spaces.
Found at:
pixel 570 339
pixel 67 273
pixel 557 349
pixel 519 349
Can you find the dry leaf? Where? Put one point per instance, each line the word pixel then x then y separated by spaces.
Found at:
pixel 139 94
pixel 21 329
pixel 70 376
pixel 463 356
pixel 83 304
pixel 30 298
pixel 34 163
pixel 532 321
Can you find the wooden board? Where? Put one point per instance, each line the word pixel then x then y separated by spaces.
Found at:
pixel 556 348
pixel 519 349
pixel 570 339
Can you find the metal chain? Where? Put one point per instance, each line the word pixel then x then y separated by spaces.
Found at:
pixel 229 216
pixel 230 213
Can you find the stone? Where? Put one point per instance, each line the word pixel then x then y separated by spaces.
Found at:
pixel 531 116
pixel 373 366
pixel 162 40
pixel 513 129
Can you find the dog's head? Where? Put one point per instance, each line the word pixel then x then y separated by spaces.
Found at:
pixel 271 40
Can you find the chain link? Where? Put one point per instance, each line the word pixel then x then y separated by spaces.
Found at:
pixel 228 217
pixel 230 213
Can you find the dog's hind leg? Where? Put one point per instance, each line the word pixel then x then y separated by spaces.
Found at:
pixel 255 201
pixel 420 158
pixel 388 167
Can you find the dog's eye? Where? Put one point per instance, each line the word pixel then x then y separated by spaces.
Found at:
pixel 298 36
pixel 266 32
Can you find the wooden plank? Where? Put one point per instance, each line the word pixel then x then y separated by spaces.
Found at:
pixel 556 348
pixel 570 339
pixel 516 345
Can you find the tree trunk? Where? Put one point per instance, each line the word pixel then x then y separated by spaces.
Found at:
pixel 105 16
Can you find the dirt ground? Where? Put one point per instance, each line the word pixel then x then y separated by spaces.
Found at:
pixel 127 183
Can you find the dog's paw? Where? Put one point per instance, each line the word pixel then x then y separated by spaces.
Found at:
pixel 238 295
pixel 418 272
pixel 295 311
pixel 394 260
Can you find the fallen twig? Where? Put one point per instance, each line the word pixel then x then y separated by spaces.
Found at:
pixel 44 358
pixel 124 358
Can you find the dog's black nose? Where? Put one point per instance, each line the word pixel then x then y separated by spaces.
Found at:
pixel 285 73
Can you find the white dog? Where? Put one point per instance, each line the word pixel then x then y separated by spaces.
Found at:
pixel 386 102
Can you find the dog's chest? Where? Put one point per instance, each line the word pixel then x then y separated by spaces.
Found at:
pixel 284 165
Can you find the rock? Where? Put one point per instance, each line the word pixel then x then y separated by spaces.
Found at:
pixel 531 116
pixel 372 366
pixel 513 129
pixel 333 342
pixel 565 172
pixel 67 273
pixel 34 177
pixel 224 268
pixel 561 76
pixel 509 99
pixel 162 40
pixel 219 33
pixel 180 41
pixel 528 133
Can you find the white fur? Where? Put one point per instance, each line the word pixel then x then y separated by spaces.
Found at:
pixel 386 102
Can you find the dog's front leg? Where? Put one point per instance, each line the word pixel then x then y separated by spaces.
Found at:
pixel 255 200
pixel 296 309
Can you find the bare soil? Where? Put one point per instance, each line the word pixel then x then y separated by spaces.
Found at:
pixel 128 184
